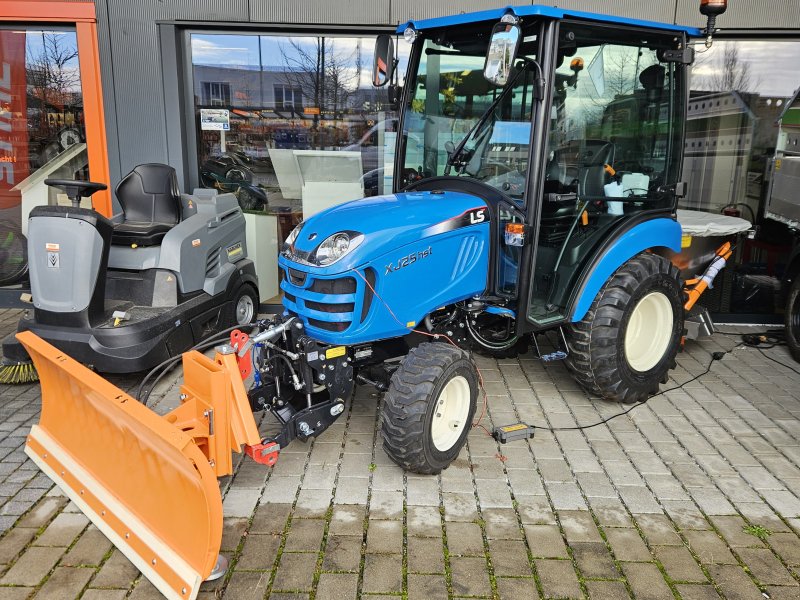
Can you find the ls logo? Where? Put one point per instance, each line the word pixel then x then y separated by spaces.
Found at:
pixel 477 216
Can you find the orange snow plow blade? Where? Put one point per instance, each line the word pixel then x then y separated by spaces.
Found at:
pixel 148 482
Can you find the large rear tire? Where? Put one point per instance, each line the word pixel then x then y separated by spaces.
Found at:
pixel 626 344
pixel 792 318
pixel 428 409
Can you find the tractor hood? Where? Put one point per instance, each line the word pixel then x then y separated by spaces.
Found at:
pixel 387 223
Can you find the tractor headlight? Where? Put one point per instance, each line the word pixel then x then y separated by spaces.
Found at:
pixel 335 247
pixel 290 240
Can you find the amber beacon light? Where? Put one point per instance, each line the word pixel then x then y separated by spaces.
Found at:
pixel 712 8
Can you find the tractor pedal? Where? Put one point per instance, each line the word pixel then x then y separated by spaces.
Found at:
pixel 264 454
pixel 509 433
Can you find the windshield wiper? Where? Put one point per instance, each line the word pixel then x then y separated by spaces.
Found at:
pixel 538 94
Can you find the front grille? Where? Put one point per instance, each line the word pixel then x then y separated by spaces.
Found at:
pixel 212 263
pixel 330 308
pixel 343 285
pixel 328 325
pixel 290 297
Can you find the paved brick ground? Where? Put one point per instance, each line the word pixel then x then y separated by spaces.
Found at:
pixel 695 495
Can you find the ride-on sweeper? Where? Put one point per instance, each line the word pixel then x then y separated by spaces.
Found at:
pixel 542 200
pixel 125 294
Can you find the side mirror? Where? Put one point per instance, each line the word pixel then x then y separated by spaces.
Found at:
pixel 502 51
pixel 383 67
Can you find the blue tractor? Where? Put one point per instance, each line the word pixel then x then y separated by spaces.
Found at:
pixel 541 199
pixel 536 178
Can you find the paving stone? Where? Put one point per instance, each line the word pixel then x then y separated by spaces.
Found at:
pixel 782 592
pixel 502 524
pixel 32 566
pixel 658 530
pixel 385 504
pixel 15 593
pixel 424 521
pixel 646 581
pixel 470 576
pixel 383 573
pixel 594 560
pixel 425 555
pixel 65 582
pixel 545 541
pixel 709 547
pixel 295 572
pixel 342 553
pixel 233 529
pixel 627 544
pixel 305 535
pixel 766 567
pixel 787 545
pixel 13 543
pixel 464 539
pixel 516 588
pixel 558 578
pixel 90 549
pixel 337 586
pixel 43 512
pixel 385 537
pixel 578 527
pixel 679 563
pixel 116 572
pixel 347 520
pixel 94 594
pixel 270 518
pixel 734 582
pixel 259 552
pixel 426 586
pixel 245 585
pixel 510 558
pixel 145 590
pixel 63 530
pixel 697 591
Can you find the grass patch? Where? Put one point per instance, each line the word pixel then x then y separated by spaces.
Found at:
pixel 758 531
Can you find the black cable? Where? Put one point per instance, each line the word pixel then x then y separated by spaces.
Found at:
pixel 171 361
pixel 714 357
pixel 776 361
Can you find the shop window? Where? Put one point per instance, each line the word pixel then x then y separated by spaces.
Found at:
pixel 42 131
pixel 288 98
pixel 738 90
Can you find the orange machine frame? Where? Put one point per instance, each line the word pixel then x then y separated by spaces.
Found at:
pixel 82 16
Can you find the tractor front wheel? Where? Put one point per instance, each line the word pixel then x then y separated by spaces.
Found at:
pixel 626 344
pixel 428 409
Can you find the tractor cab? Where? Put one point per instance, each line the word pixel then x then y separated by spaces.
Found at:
pixel 570 130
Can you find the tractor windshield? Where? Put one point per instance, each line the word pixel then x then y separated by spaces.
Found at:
pixel 450 97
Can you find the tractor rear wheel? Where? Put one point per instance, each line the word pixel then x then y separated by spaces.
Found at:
pixel 626 344
pixel 428 410
pixel 793 319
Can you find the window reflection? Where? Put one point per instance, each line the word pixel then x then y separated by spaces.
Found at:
pixel 293 103
pixel 739 89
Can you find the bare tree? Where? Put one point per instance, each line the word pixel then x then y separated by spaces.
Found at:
pixel 323 73
pixel 51 71
pixel 730 73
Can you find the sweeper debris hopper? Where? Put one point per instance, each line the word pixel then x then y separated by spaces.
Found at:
pixel 148 482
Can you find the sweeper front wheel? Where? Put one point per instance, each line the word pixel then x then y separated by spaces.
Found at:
pixel 626 344
pixel 428 410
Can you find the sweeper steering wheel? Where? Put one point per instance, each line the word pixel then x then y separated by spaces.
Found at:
pixel 75 189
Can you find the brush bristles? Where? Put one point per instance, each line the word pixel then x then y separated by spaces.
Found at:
pixel 18 373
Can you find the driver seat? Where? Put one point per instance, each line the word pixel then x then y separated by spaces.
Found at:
pixel 151 205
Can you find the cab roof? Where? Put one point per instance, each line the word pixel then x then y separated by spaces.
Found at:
pixel 537 10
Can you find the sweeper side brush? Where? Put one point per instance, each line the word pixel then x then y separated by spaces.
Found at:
pixel 17 373
pixel 148 482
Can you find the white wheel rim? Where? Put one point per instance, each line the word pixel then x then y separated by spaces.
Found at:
pixel 450 413
pixel 649 332
pixel 244 310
